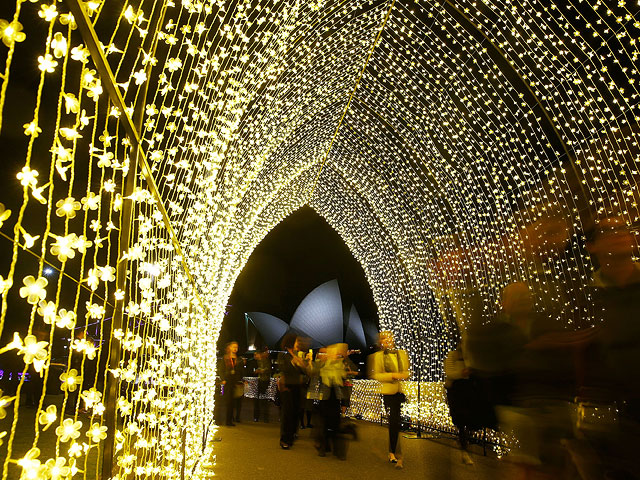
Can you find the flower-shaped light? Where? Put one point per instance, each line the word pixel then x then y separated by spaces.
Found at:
pixel 48 311
pixel 69 430
pixel 48 12
pixel 80 54
pixel 48 416
pixel 71 103
pixel 91 201
pixel 95 311
pixel 33 350
pixel 98 409
pixel 59 45
pixel 91 397
pixel 97 433
pixel 4 401
pixel 93 278
pixel 81 244
pixel 67 207
pixel 67 19
pixel 4 214
pixel 75 449
pixel 32 129
pixel 107 273
pixel 31 466
pixel 57 469
pixel 46 63
pixel 28 177
pixel 11 32
pixel 85 346
pixel 70 380
pixel 5 285
pixel 66 319
pixel 34 290
pixel 63 246
pixel 29 240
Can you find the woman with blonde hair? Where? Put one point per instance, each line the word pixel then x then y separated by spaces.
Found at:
pixel 390 366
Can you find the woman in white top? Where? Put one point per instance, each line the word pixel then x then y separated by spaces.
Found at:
pixel 390 366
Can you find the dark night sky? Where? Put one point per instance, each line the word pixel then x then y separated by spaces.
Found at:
pixel 299 254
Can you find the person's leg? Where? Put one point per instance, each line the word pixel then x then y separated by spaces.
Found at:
pixel 295 414
pixel 256 408
pixel 320 429
pixel 333 426
pixel 394 421
pixel 238 408
pixel 286 437
pixel 260 402
pixel 228 404
pixel 463 436
pixel 309 424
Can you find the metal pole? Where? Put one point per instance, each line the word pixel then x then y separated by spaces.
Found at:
pixel 133 127
pixel 108 81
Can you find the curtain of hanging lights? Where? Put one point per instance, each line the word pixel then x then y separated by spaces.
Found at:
pixel 433 136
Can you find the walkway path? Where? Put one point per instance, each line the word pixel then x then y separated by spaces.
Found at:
pixel 251 450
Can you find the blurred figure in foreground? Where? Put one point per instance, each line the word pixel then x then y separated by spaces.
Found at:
pixel 293 368
pixel 333 372
pixel 613 376
pixel 528 381
pixel 263 372
pixel 461 397
pixel 390 366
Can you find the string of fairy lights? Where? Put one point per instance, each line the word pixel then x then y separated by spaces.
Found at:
pixel 455 146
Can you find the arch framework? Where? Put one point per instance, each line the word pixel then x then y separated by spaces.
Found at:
pixel 455 146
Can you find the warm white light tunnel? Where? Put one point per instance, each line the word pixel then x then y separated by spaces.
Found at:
pixel 455 146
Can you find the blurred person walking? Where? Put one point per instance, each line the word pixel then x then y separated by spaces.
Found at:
pixel 293 367
pixel 232 372
pixel 263 372
pixel 333 373
pixel 390 366
pixel 461 397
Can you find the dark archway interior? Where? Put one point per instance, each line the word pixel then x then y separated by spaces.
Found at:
pixel 299 254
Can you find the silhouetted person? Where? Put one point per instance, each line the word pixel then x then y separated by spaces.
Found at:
pixel 305 406
pixel 293 364
pixel 461 397
pixel 263 372
pixel 614 372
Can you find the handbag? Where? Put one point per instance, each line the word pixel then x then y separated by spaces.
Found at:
pixel 238 390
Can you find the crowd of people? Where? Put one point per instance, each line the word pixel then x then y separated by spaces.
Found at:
pixel 561 393
pixel 314 388
pixel 558 392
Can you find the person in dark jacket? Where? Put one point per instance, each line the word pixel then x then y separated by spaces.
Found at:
pixel 294 364
pixel 232 372
pixel 263 372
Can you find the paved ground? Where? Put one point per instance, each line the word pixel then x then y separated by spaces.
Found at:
pixel 251 450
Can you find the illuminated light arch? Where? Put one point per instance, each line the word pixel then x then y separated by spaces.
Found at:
pixel 430 155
